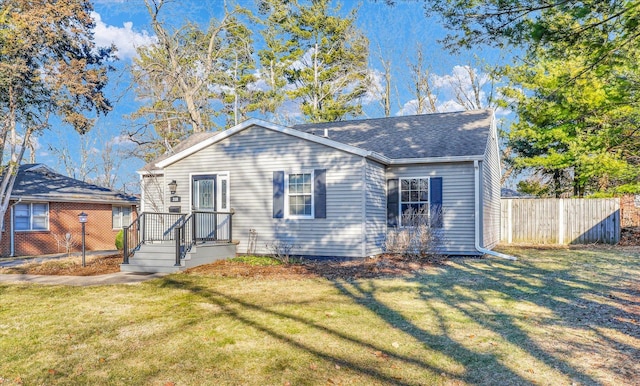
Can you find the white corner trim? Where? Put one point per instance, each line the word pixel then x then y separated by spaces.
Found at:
pixel 476 212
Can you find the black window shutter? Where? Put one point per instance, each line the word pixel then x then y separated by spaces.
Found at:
pixel 278 194
pixel 320 193
pixel 435 201
pixel 393 198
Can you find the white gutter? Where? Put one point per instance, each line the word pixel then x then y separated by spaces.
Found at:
pixel 476 174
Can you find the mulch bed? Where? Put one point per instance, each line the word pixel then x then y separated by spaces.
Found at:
pixel 629 236
pixel 70 267
pixel 385 265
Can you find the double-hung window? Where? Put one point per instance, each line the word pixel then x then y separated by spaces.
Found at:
pixel 299 194
pixel 31 217
pixel 120 216
pixel 414 201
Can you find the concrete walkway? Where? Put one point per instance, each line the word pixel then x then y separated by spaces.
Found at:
pixel 111 278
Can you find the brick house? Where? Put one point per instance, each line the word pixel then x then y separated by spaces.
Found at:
pixel 43 214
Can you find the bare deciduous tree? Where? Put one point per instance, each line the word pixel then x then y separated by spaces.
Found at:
pixel 422 88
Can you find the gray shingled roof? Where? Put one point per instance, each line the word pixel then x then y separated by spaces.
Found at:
pixel 457 134
pixel 36 181
pixel 417 136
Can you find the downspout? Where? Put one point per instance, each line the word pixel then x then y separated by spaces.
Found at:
pixel 12 251
pixel 476 174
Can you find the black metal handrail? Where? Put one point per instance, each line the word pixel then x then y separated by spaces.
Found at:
pixel 198 227
pixel 148 226
pixel 184 239
pixel 202 226
pixel 131 240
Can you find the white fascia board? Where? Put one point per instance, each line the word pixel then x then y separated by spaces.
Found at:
pixel 156 172
pixel 430 160
pixel 379 158
pixel 97 200
pixel 267 125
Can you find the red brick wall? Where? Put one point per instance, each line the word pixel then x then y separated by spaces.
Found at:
pixel 63 219
pixel 630 210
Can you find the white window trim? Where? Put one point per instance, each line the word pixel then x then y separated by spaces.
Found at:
pixel 286 195
pixel 30 204
pixel 400 202
pixel 121 207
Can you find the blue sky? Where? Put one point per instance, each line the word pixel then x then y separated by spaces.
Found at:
pixel 395 31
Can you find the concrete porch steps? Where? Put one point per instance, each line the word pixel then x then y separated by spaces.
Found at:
pixel 160 257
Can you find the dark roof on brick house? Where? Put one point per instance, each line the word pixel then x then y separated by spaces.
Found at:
pixel 38 182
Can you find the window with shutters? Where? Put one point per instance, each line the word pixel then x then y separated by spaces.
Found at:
pixel 414 199
pixel 31 217
pixel 299 194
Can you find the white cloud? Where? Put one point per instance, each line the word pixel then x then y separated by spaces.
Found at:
pixel 450 87
pixel 409 108
pixel 121 140
pixel 375 92
pixel 124 38
pixel 449 106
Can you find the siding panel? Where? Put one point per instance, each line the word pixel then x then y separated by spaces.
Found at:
pixel 491 176
pixel 457 201
pixel 251 157
pixel 376 208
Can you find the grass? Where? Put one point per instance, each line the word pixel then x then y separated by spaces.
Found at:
pixel 552 317
pixel 256 260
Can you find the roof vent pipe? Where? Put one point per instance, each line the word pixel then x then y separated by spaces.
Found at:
pixel 326 133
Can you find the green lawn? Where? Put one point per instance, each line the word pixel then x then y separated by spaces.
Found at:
pixel 552 317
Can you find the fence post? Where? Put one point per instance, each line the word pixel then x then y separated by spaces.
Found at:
pixel 144 227
pixel 560 221
pixel 125 244
pixel 230 227
pixel 509 221
pixel 193 228
pixel 177 235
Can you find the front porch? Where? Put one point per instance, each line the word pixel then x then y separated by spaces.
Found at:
pixel 171 242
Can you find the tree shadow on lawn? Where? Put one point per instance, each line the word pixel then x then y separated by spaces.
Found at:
pixel 565 298
pixel 448 346
pixel 521 303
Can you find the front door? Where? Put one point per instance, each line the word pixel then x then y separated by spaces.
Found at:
pixel 210 194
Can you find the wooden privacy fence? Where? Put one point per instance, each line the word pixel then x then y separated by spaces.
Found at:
pixel 560 220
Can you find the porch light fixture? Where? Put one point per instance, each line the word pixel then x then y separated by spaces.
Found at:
pixel 82 217
pixel 173 186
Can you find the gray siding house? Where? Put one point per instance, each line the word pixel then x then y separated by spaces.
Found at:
pixel 334 189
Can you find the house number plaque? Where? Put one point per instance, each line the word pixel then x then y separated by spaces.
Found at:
pixel 175 198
